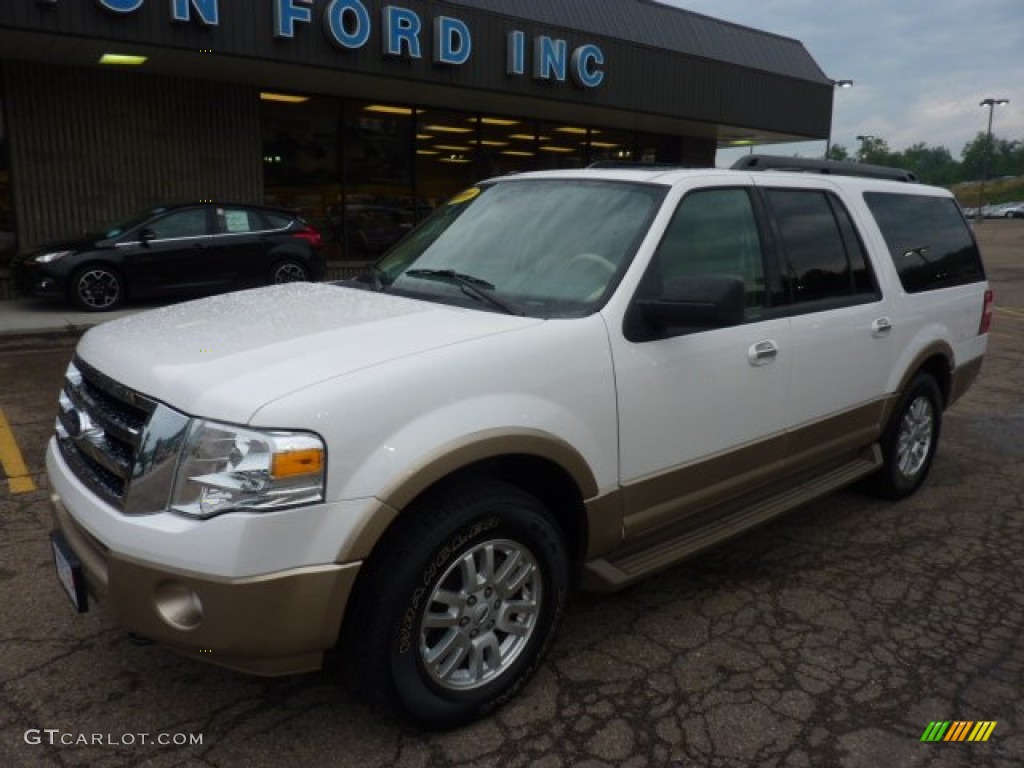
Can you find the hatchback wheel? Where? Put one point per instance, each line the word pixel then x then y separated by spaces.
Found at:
pixel 96 289
pixel 288 272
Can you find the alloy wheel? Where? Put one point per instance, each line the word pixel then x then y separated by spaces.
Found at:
pixel 915 436
pixel 481 615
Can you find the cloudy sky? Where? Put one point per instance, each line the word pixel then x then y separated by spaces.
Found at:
pixel 919 67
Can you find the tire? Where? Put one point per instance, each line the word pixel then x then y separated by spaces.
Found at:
pixel 910 439
pixel 453 616
pixel 96 288
pixel 288 271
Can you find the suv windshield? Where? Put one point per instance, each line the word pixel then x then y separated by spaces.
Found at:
pixel 543 247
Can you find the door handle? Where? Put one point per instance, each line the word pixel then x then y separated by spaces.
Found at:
pixel 881 327
pixel 763 352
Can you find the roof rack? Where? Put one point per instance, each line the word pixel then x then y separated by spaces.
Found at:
pixel 811 165
pixel 635 165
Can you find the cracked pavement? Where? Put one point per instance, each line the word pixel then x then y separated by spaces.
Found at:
pixel 830 637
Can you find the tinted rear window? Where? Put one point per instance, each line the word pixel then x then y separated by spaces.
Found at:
pixel 822 255
pixel 929 240
pixel 277 220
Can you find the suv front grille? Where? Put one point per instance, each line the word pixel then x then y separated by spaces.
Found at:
pixel 122 445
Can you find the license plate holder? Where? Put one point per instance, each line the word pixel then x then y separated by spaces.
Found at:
pixel 69 572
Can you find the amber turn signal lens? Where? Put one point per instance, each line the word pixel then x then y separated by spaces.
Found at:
pixel 292 463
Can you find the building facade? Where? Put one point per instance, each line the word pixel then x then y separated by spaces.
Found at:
pixel 362 114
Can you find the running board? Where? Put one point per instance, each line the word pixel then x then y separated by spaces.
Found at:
pixel 668 546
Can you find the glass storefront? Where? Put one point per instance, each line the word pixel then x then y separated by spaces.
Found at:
pixel 378 204
pixel 364 173
pixel 302 160
pixel 8 238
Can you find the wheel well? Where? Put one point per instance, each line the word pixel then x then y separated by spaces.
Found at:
pixel 937 366
pixel 541 478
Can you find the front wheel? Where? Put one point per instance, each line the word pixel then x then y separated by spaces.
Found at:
pixel 96 289
pixel 910 439
pixel 452 618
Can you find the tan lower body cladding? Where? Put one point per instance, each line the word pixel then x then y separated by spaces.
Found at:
pixel 680 512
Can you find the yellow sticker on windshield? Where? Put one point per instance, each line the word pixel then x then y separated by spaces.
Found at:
pixel 465 196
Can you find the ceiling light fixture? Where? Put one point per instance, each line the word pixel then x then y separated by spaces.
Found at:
pixel 284 98
pixel 123 59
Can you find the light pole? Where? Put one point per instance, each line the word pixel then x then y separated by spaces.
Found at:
pixel 864 139
pixel 991 104
pixel 835 84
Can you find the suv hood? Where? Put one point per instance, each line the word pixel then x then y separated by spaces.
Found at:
pixel 225 357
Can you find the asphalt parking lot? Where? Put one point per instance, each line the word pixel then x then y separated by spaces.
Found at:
pixel 834 636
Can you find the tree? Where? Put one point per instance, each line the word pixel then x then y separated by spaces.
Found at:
pixel 984 158
pixel 838 152
pixel 874 150
pixel 933 165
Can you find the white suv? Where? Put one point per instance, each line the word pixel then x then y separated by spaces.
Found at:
pixel 574 377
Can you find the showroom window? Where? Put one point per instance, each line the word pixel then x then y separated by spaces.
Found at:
pixel 364 173
pixel 446 153
pixel 507 145
pixel 378 178
pixel 301 160
pixel 8 238
pixel 611 146
pixel 562 145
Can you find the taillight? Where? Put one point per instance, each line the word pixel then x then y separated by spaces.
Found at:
pixel 986 313
pixel 310 235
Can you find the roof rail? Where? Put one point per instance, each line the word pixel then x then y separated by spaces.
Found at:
pixel 812 165
pixel 635 165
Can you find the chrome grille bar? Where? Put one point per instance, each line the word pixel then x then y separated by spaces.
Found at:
pixel 122 445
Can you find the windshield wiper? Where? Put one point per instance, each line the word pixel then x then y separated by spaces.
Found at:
pixel 471 286
pixel 373 277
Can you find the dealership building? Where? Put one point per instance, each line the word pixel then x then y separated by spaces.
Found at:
pixel 362 114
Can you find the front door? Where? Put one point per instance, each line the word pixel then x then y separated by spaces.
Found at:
pixel 173 256
pixel 702 413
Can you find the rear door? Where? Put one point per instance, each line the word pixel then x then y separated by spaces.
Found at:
pixel 240 246
pixel 842 327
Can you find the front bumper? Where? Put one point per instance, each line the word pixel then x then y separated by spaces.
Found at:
pixel 273 624
pixel 32 280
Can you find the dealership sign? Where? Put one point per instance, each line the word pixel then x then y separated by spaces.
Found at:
pixel 348 25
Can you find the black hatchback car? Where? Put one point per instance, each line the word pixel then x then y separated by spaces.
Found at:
pixel 194 248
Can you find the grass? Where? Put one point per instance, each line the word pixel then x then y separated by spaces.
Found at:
pixel 996 192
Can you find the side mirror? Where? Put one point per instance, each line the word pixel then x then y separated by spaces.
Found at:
pixel 146 235
pixel 694 303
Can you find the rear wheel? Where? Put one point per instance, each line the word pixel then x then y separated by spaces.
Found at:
pixel 96 289
pixel 910 439
pixel 288 271
pixel 452 618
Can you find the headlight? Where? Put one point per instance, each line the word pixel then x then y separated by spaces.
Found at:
pixel 224 468
pixel 46 258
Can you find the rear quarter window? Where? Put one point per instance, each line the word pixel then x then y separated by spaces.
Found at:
pixel 276 220
pixel 929 241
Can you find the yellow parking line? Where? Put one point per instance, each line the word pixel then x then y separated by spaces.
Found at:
pixel 1011 311
pixel 18 479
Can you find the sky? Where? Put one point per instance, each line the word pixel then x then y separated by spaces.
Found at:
pixel 920 67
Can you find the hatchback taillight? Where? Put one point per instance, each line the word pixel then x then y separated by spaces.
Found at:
pixel 986 312
pixel 310 235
